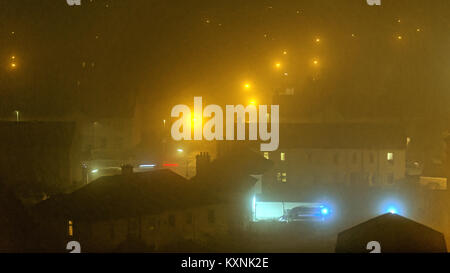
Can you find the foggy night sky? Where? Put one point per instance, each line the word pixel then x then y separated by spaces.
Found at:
pixel 165 52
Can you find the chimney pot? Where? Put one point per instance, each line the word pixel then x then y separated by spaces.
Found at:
pixel 127 169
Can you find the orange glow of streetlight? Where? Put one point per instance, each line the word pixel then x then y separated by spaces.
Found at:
pixel 196 117
pixel 399 37
pixel 277 65
pixel 247 85
pixel 252 102
pixel 13 65
pixel 317 40
pixel 284 52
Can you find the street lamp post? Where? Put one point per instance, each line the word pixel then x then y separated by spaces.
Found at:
pixel 17 115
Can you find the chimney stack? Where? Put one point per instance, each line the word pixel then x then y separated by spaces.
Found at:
pixel 127 169
pixel 202 162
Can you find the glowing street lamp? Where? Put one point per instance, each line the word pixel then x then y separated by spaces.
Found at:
pixel 17 115
pixel 277 65
pixel 252 102
pixel 247 86
pixel 13 64
pixel 180 150
pixel 317 40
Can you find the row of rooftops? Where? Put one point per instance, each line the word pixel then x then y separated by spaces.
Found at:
pixel 150 193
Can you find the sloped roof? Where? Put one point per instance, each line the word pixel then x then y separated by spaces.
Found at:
pixel 116 196
pixel 112 197
pixel 394 233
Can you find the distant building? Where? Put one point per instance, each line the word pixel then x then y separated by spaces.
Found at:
pixel 349 154
pixel 37 157
pixel 334 154
pixel 106 144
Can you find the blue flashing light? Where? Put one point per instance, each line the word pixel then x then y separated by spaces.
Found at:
pixel 392 210
pixel 324 211
pixel 392 205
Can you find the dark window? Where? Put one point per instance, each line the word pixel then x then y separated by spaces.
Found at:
pixel 172 220
pixel 390 178
pixel 336 158
pixel 133 227
pixel 112 232
pixel 354 177
pixel 103 143
pixel 211 216
pixel 120 142
pixel 189 218
pixel 354 158
pixel 152 223
pixel 309 156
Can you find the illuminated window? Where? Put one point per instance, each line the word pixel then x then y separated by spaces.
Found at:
pixel 278 177
pixel 266 155
pixel 70 228
pixel 390 157
pixel 283 177
pixel 283 156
